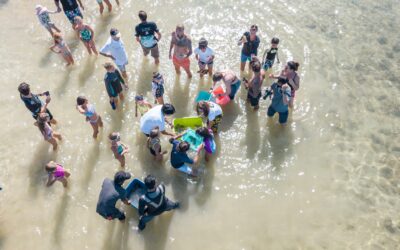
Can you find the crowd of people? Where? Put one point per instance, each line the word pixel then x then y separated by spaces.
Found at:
pixel 156 118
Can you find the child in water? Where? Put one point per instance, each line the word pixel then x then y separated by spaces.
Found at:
pixel 47 132
pixel 269 55
pixel 157 85
pixel 43 15
pixel 205 57
pixel 60 47
pixel 114 82
pixel 141 105
pixel 119 149
pixel 109 6
pixel 154 145
pixel 83 106
pixel 85 34
pixel 56 172
pixel 208 141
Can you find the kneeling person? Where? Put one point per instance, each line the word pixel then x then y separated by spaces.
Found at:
pixel 154 202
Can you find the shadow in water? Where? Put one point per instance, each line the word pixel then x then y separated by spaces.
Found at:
pixel 116 119
pixel 179 185
pixel 120 233
pixel 87 70
pixel 143 84
pixel 155 234
pixel 60 218
pixel 180 97
pixel 279 141
pixel 109 235
pixel 231 112
pixel 252 132
pixel 205 186
pixel 41 157
pixel 46 59
pixel 91 161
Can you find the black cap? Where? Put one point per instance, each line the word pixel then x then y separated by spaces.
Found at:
pixel 120 177
pixel 114 32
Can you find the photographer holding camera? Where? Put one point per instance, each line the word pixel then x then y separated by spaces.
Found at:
pixel 281 95
pixel 33 102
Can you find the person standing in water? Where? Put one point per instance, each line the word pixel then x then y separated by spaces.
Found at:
pixel 212 112
pixel 60 47
pixel 153 202
pixel 269 55
pixel 47 132
pixel 33 103
pixel 179 157
pixel 157 88
pixel 56 172
pixel 182 46
pixel 250 42
pixel 83 106
pixel 280 100
pixel 43 15
pixel 156 117
pixel 254 85
pixel 115 49
pixel 114 82
pixel 118 148
pixel 154 144
pixel 230 80
pixel 205 56
pixel 71 9
pixel 109 5
pixel 293 79
pixel 146 36
pixel 111 192
pixel 86 35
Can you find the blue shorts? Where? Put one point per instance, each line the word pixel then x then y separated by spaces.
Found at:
pixel 71 14
pixel 283 116
pixel 268 64
pixel 122 67
pixel 234 89
pixel 244 58
pixel 185 169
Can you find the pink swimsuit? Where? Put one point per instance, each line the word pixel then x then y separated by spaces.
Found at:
pixel 59 173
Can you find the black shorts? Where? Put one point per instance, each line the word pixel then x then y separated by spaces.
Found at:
pixel 254 100
pixel 154 152
pixel 36 115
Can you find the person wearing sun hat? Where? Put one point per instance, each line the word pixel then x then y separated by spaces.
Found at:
pixel 111 192
pixel 114 48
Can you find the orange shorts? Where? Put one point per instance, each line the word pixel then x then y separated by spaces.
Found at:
pixel 184 63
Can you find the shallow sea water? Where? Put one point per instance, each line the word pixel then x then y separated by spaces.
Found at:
pixel 329 180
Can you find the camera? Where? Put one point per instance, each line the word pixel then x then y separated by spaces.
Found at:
pixel 268 92
pixel 47 93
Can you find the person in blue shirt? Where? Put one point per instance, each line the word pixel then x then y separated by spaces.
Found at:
pixel 280 100
pixel 179 157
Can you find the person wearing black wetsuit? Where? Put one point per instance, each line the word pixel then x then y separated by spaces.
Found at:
pixel 154 202
pixel 270 54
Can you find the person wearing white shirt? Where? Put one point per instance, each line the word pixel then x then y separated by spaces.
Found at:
pixel 155 117
pixel 115 49
pixel 205 57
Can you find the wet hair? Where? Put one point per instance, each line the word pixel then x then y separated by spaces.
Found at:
pixel 142 15
pixel 81 100
pixel 77 18
pixel 293 65
pixel 150 181
pixel 203 107
pixel 56 36
pixel 168 109
pixel 51 166
pixel 203 43
pixel 120 177
pixel 114 136
pixel 275 40
pixel 255 27
pixel 154 132
pixel 24 88
pixel 180 27
pixel 217 76
pixel 282 80
pixel 183 146
pixel 204 132
pixel 256 66
pixel 108 65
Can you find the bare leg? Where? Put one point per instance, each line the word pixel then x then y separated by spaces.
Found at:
pixel 207 156
pixel 121 96
pixel 157 61
pixel 88 48
pixel 53 142
pixel 124 74
pixel 242 65
pixel 210 70
pixel 95 129
pixel 100 122
pixel 160 100
pixel 117 1
pixel 64 182
pixel 101 8
pixel 122 160
pixel 109 6
pixel 291 103
pixel 57 135
pixel 52 121
pixel 177 69
pixel 187 69
pixel 93 46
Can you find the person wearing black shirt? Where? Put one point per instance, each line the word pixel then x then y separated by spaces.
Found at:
pixel 154 202
pixel 71 9
pixel 250 42
pixel 33 103
pixel 270 54
pixel 145 33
